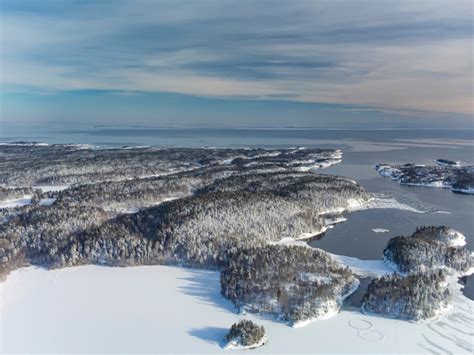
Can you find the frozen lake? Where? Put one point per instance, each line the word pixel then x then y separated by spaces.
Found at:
pixel 169 309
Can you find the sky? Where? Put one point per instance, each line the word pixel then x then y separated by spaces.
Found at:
pixel 237 63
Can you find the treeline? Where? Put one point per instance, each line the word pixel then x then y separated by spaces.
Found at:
pixel 11 193
pixel 37 235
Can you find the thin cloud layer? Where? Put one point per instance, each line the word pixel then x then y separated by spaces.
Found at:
pixel 404 55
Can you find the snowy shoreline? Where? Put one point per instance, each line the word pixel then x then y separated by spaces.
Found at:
pixel 233 345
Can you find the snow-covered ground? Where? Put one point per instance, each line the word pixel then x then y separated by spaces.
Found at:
pixel 171 309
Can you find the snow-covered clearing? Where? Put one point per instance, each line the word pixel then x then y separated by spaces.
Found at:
pixel 47 201
pixel 135 209
pixel 26 200
pixel 171 309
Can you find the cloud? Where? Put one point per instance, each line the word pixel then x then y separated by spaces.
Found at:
pixel 408 55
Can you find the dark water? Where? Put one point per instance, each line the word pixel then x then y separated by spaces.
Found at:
pixel 196 137
pixel 356 238
pixel 362 149
pixel 355 299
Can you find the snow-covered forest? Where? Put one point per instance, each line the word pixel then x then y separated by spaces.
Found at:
pixel 30 165
pixel 222 200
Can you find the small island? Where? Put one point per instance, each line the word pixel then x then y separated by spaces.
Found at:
pixel 447 162
pixel 245 335
pixel 380 230
pixel 415 297
pixel 429 248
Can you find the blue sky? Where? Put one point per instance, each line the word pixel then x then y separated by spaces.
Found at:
pixel 259 63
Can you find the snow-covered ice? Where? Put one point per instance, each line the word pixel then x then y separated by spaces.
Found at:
pixel 364 268
pixel 394 201
pixel 335 220
pixel 171 309
pixel 380 230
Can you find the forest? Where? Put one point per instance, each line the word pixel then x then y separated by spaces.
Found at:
pixel 30 164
